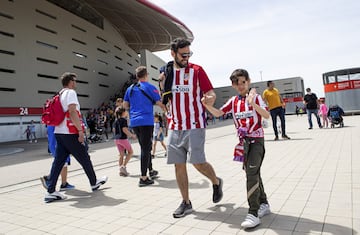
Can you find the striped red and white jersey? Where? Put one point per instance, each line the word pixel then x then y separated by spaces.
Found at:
pixel 245 115
pixel 189 85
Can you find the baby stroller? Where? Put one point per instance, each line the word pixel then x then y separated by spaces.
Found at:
pixel 95 136
pixel 335 114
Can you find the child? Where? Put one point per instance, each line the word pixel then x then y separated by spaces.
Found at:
pixel 323 113
pixel 27 132
pixel 121 133
pixel 247 110
pixel 158 134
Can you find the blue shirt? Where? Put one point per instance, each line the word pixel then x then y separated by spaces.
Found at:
pixel 141 107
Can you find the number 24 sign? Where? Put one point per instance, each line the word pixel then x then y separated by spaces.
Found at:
pixel 24 111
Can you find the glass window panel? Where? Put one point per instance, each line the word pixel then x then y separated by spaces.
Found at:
pixel 355 76
pixel 341 78
pixel 331 79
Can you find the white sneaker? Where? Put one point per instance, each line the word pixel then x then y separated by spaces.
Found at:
pixel 99 182
pixel 50 197
pixel 264 210
pixel 250 221
pixel 123 171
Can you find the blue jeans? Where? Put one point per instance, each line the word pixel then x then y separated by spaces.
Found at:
pixel 315 112
pixel 68 144
pixel 279 111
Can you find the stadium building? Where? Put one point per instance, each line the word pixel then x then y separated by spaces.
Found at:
pixel 101 41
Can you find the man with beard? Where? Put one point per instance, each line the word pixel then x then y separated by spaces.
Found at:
pixel 183 85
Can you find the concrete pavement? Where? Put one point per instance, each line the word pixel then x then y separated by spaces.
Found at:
pixel 312 182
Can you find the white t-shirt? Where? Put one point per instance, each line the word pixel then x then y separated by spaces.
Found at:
pixel 67 97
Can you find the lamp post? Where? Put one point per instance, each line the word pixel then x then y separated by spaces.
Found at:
pixel 260 75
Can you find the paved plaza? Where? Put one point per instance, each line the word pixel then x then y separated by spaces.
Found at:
pixel 312 182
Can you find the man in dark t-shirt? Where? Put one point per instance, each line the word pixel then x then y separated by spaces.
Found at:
pixel 311 102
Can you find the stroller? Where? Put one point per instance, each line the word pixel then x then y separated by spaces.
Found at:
pixel 335 114
pixel 96 135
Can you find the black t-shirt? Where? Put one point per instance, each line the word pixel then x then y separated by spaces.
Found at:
pixel 311 101
pixel 119 125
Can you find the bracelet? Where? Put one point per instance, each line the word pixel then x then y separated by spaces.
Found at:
pixel 79 130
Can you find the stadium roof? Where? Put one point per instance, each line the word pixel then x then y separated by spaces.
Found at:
pixel 142 24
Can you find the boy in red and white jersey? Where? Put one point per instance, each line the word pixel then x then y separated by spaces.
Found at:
pixel 247 110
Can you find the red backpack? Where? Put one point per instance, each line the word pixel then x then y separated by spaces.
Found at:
pixel 53 113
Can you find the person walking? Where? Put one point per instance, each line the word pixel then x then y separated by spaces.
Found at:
pixel 158 134
pixel 121 135
pixel 248 109
pixel 32 132
pixel 312 104
pixel 102 123
pixel 183 84
pixel 275 103
pixel 323 112
pixel 70 139
pixel 27 132
pixel 64 172
pixel 140 98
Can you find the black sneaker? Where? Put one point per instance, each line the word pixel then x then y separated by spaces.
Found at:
pixel 146 182
pixel 276 138
pixel 217 191
pixel 153 173
pixel 183 210
pixel 45 181
pixel 285 137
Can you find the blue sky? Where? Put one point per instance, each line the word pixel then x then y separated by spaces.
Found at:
pixel 275 39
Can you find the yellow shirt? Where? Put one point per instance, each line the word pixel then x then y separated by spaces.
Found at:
pixel 272 97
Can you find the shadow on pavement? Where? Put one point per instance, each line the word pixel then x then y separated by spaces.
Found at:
pixel 172 184
pixel 225 213
pixel 85 199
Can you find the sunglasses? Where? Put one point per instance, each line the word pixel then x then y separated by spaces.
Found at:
pixel 186 55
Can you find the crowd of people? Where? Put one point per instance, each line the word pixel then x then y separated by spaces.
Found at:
pixel 183 122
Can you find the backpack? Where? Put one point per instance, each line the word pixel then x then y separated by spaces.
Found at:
pixel 166 93
pixel 53 113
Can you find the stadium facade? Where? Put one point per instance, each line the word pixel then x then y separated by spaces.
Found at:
pixel 101 41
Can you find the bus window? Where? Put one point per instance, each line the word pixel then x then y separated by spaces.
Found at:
pixel 331 79
pixel 342 78
pixel 355 76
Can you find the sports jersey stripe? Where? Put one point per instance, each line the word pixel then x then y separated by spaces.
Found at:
pixel 186 80
pixel 176 115
pixel 197 107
